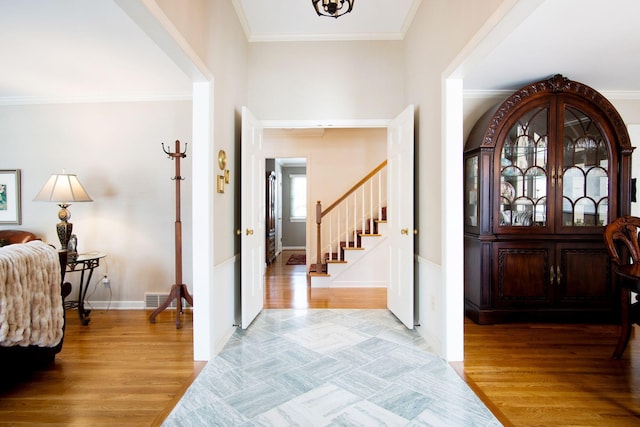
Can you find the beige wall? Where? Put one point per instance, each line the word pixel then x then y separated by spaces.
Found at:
pixel 190 21
pixel 115 149
pixel 348 153
pixel 440 31
pixel 219 41
pixel 326 80
pixel 224 53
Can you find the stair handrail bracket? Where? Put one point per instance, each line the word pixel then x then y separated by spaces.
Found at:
pixel 353 214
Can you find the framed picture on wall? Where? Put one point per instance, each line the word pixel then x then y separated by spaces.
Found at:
pixel 10 197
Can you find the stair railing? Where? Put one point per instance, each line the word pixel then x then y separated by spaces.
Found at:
pixel 360 206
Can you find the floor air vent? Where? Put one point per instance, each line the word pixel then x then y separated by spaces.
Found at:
pixel 155 300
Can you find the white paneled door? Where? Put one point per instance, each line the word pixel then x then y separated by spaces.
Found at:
pixel 252 220
pixel 400 288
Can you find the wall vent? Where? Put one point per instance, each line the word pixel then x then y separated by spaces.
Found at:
pixel 153 300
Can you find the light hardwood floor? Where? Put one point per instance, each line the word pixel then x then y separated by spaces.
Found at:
pixel 287 286
pixel 118 370
pixel 122 370
pixel 553 374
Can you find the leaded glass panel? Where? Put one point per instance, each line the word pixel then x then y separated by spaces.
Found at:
pixel 585 172
pixel 524 170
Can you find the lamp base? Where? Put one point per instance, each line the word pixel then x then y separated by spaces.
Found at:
pixel 64 230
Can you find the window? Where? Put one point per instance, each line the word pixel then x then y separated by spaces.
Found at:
pixel 298 197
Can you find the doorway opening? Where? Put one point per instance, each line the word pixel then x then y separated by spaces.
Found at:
pixel 286 207
pixel 337 160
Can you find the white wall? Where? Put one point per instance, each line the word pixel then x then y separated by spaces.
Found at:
pixel 115 149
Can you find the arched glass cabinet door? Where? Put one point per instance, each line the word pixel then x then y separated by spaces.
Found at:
pixel 524 172
pixel 584 175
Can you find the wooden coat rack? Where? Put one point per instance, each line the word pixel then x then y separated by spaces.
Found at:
pixel 179 289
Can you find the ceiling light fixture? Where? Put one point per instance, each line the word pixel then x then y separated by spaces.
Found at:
pixel 332 8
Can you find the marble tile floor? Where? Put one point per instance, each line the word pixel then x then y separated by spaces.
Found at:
pixel 328 368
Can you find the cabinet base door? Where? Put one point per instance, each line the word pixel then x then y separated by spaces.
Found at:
pixel 522 275
pixel 585 276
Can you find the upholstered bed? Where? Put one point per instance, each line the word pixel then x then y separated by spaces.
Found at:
pixel 32 296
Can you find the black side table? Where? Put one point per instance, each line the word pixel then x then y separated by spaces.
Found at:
pixel 83 263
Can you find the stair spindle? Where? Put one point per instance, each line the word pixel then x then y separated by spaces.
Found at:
pixel 371 206
pixel 380 196
pixel 364 186
pixel 355 220
pixel 330 237
pixel 336 232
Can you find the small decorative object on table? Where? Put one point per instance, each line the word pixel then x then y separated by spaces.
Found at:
pixel 72 247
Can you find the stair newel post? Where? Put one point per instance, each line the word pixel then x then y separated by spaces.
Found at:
pixel 319 236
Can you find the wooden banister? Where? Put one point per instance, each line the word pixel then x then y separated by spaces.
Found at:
pixel 354 188
pixel 322 213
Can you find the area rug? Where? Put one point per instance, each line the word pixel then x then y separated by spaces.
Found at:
pixel 328 367
pixel 297 259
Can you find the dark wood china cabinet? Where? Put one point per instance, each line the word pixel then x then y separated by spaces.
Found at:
pixel 545 171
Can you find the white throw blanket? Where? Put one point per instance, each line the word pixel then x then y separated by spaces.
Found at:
pixel 31 311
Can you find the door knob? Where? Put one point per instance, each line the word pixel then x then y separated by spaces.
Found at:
pixel 238 232
pixel 404 231
pixel 249 231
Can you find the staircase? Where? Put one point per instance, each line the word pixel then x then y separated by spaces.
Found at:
pixel 351 239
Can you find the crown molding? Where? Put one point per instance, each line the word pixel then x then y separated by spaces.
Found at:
pixel 409 18
pixel 621 94
pixel 328 124
pixel 244 22
pixel 95 99
pixel 483 94
pixel 633 95
pixel 288 37
pixel 308 37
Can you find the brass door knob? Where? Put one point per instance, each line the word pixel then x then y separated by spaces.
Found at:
pixel 238 232
pixel 249 231
pixel 404 231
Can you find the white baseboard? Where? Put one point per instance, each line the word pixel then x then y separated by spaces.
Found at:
pixel 114 305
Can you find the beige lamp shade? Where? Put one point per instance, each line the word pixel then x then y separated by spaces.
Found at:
pixel 63 188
